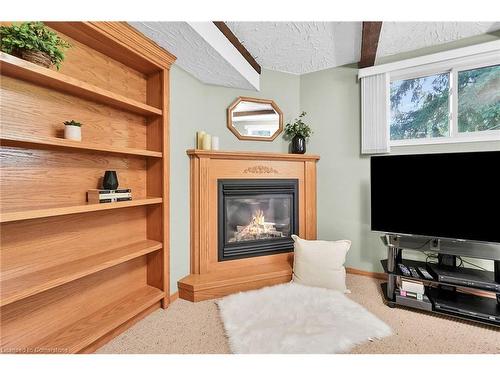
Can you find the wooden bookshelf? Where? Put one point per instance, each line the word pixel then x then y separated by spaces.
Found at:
pixel 69 210
pixel 75 274
pixel 20 69
pixel 77 336
pixel 57 143
pixel 84 332
pixel 16 287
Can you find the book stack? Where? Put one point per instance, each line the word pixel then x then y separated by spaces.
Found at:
pixel 412 294
pixel 108 196
pixel 412 289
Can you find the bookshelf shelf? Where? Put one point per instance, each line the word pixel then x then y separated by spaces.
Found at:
pixel 17 286
pixel 14 67
pixel 57 143
pixel 79 335
pixel 68 210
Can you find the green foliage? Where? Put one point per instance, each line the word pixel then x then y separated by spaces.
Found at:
pixel 73 123
pixel 298 127
pixel 33 36
pixel 479 99
pixel 420 107
pixel 428 114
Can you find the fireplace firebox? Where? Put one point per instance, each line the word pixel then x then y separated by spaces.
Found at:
pixel 256 217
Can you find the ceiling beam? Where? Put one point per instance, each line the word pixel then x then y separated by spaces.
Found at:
pixel 224 29
pixel 369 43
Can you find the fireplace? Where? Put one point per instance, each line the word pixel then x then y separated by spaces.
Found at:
pixel 256 217
pixel 246 204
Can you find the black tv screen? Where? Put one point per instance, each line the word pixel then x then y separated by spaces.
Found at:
pixel 453 195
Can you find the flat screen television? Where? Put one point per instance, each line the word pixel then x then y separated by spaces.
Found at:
pixel 450 196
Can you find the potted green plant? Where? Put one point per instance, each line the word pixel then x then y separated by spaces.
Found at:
pixel 73 130
pixel 34 42
pixel 298 132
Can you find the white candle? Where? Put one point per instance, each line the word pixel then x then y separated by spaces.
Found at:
pixel 199 139
pixel 215 143
pixel 207 142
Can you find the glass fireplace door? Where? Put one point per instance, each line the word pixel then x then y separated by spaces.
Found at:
pixel 256 217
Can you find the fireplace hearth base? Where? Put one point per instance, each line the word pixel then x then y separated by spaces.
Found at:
pixel 196 288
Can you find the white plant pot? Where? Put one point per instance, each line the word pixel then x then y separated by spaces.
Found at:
pixel 73 132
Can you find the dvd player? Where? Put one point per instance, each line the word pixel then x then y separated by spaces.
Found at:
pixel 466 277
pixel 467 305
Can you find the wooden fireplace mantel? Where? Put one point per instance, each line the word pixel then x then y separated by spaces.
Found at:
pixel 250 155
pixel 211 278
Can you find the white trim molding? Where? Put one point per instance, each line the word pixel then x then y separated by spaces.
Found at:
pixel 212 35
pixel 490 48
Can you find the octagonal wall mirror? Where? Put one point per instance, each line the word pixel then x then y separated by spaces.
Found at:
pixel 255 119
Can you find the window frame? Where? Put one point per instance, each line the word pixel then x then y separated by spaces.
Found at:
pixel 452 67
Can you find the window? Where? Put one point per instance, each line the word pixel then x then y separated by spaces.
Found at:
pixel 479 99
pixel 448 102
pixel 420 107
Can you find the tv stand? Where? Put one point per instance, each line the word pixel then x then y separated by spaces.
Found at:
pixel 469 295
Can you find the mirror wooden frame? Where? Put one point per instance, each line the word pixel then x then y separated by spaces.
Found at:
pixel 248 137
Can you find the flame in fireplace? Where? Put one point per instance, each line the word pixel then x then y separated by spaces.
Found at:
pixel 258 218
pixel 257 229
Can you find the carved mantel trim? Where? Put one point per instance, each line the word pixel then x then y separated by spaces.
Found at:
pixel 260 169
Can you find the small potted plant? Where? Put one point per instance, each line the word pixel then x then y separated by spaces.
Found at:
pixel 298 132
pixel 34 42
pixel 73 130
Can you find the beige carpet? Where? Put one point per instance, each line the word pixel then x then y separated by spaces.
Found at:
pixel 187 327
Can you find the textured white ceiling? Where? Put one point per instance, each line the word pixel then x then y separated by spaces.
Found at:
pixel 300 47
pixel 397 37
pixel 304 47
pixel 193 53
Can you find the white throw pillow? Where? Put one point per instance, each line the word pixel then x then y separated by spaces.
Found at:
pixel 320 263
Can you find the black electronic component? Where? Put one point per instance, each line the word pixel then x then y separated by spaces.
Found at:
pixel 467 277
pixel 425 273
pixel 414 272
pixel 404 270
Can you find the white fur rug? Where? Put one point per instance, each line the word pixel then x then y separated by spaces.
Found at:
pixel 293 318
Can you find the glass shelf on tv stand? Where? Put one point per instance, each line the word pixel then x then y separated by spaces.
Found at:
pixel 434 282
pixel 392 303
pixel 397 244
pixel 469 249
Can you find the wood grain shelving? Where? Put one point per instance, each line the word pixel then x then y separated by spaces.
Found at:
pixel 84 332
pixel 68 210
pixel 57 143
pixel 73 274
pixel 13 67
pixel 16 287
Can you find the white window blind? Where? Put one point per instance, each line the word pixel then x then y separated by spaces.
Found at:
pixel 375 114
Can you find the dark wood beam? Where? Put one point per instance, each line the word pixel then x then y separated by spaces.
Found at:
pixel 224 29
pixel 369 43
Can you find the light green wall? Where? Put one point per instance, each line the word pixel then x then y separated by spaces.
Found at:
pixel 332 99
pixel 196 106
